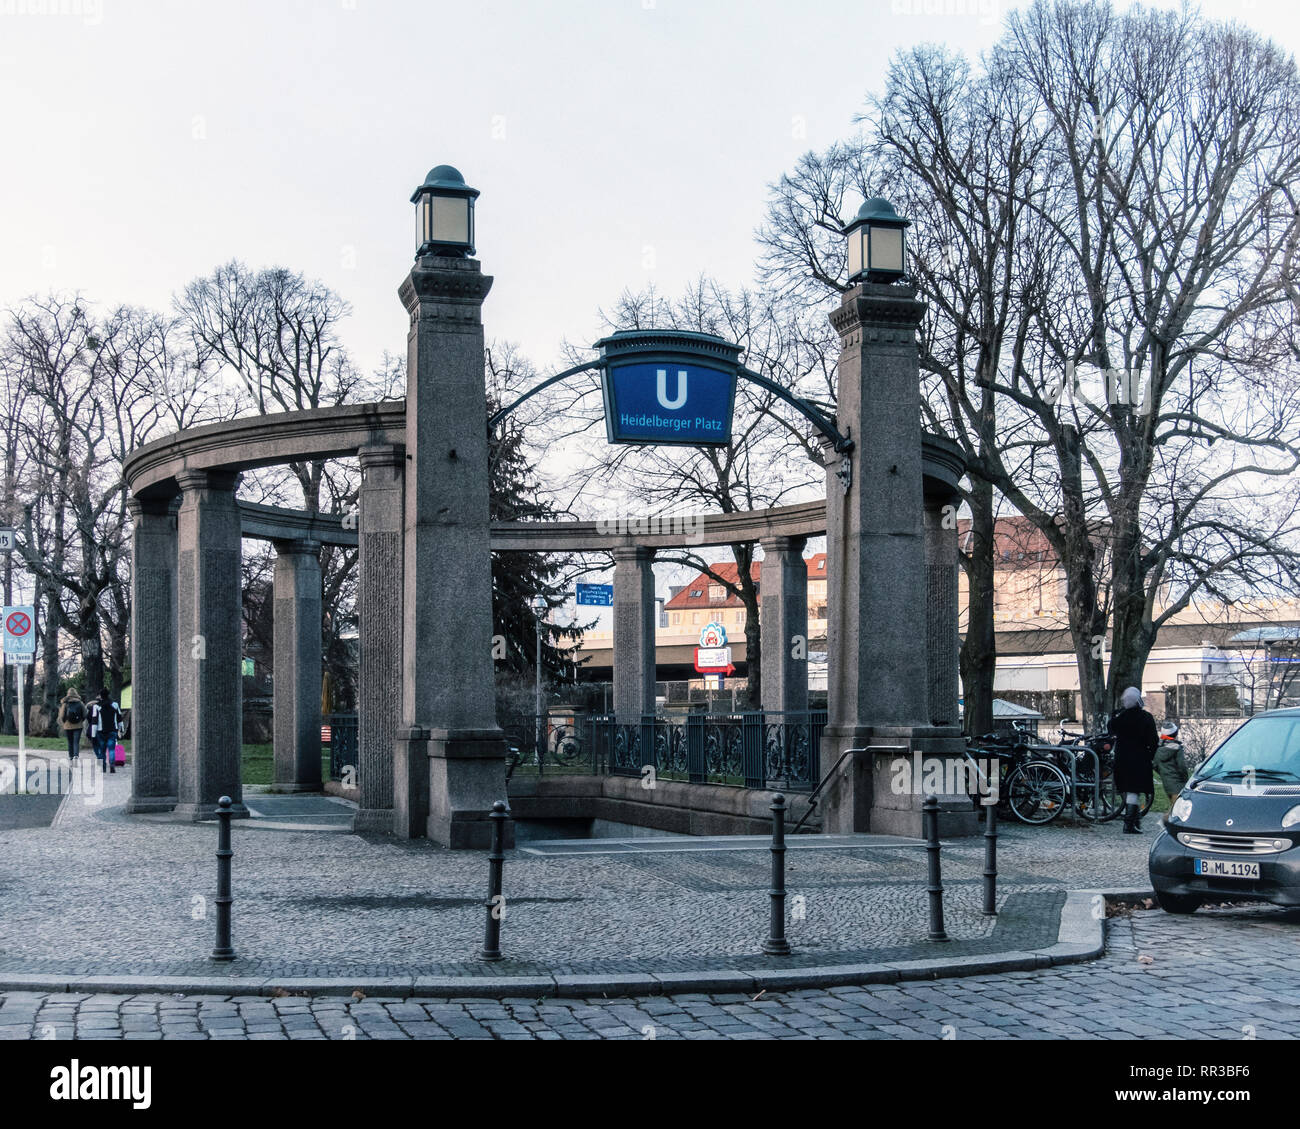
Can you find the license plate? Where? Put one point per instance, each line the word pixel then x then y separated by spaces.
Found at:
pixel 1221 868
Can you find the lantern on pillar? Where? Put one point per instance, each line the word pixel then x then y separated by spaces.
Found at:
pixel 877 243
pixel 444 214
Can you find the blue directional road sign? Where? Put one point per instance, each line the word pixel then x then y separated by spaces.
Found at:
pixel 601 595
pixel 665 387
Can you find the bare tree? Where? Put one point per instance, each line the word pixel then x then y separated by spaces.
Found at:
pixel 1117 192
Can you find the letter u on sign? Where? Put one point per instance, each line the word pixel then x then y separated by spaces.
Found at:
pixel 662 389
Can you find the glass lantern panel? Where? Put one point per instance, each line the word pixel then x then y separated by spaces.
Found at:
pixel 887 249
pixel 422 221
pixel 450 219
pixel 855 252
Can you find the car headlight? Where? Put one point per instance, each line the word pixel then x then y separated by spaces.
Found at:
pixel 1292 818
pixel 1182 810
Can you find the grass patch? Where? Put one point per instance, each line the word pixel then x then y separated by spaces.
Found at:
pixel 258 764
pixel 10 741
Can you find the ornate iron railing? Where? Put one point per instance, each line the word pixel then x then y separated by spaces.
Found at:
pixel 552 744
pixel 749 750
pixel 342 740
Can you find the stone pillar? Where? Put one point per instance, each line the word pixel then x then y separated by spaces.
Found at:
pixel 942 637
pixel 634 634
pixel 784 592
pixel 153 656
pixel 209 644
pixel 450 754
pixel 379 602
pixel 877 583
pixel 297 683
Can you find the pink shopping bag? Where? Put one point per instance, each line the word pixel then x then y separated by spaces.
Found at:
pixel 119 754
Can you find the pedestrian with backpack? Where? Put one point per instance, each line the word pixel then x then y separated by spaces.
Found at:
pixel 105 718
pixel 72 719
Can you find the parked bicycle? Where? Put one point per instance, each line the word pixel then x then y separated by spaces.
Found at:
pixel 1030 788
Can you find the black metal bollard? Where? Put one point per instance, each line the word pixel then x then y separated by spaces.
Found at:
pixel 930 817
pixel 991 860
pixel 223 950
pixel 776 944
pixel 495 904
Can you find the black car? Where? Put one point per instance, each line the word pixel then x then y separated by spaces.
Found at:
pixel 1234 830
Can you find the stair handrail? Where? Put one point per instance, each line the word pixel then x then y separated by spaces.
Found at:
pixel 812 796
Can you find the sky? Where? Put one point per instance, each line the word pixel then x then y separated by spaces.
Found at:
pixel 616 143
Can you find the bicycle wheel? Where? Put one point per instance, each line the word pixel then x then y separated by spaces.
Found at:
pixel 1037 792
pixel 1093 808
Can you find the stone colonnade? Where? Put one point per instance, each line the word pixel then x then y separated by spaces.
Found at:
pixel 431 755
pixel 185 652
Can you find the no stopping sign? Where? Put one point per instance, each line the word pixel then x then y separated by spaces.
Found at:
pixel 20 631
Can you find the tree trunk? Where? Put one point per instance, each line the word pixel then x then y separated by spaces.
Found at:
pixel 744 555
pixel 1087 619
pixel 53 623
pixel 978 657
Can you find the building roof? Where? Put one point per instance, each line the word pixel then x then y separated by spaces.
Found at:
pixel 1007 711
pixel 1019 544
pixel 696 593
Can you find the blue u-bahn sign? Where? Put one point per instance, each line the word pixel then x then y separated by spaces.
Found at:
pixel 666 386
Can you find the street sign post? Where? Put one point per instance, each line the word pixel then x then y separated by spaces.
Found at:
pixel 597 595
pixel 20 649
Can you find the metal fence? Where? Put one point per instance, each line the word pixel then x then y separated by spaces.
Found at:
pixel 339 732
pixel 751 750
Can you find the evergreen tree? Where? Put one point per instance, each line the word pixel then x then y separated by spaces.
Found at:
pixel 518 577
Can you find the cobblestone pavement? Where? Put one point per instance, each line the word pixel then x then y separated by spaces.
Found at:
pixel 325 903
pixel 1220 974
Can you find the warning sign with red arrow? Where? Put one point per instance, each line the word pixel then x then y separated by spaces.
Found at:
pixel 714 660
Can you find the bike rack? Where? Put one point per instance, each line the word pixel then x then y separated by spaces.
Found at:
pixel 1074 774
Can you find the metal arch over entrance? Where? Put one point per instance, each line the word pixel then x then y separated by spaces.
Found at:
pixel 630 350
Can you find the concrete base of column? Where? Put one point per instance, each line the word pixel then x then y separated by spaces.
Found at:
pixel 195 813
pixel 845 801
pixel 377 821
pixel 897 794
pixel 145 804
pixel 410 812
pixel 467 775
pixel 879 792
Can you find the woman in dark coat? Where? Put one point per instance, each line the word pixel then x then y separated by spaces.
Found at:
pixel 1136 741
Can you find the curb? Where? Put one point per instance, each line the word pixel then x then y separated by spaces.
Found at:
pixel 1081 937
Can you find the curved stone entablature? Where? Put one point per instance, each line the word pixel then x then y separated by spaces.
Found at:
pixel 258 441
pixel 151 472
pixel 942 467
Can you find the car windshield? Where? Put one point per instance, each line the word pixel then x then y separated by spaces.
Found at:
pixel 1267 745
